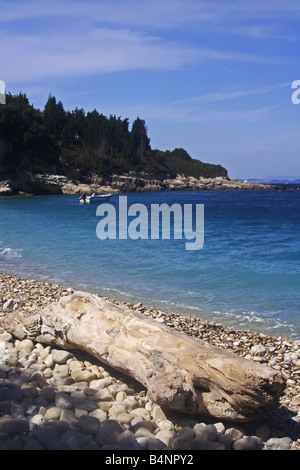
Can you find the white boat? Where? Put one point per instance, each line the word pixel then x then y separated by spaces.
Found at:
pixel 84 199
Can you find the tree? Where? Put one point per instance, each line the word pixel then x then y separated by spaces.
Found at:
pixel 74 142
pixel 54 118
pixel 139 143
pixel 78 116
pixel 180 153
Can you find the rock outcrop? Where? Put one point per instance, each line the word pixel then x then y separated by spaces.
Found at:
pixel 41 184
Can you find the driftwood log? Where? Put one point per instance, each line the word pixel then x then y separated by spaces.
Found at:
pixel 180 372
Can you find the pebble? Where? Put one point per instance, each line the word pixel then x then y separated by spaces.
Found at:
pixel 248 443
pixel 8 304
pixel 283 443
pixel 13 426
pixel 60 356
pixel 56 399
pixel 89 424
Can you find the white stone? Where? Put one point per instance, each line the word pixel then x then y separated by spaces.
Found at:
pixel 100 383
pixel 258 350
pixel 38 419
pixel 49 361
pixel 142 412
pixel 25 344
pixel 61 356
pixel 104 395
pixel 8 304
pixel 5 337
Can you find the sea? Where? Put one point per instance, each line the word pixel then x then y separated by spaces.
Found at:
pixel 246 275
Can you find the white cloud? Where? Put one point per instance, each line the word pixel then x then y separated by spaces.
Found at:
pixel 262 32
pixel 204 108
pixel 76 38
pixel 183 112
pixel 157 13
pixel 231 94
pixel 34 56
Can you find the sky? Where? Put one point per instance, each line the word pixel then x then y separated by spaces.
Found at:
pixel 211 76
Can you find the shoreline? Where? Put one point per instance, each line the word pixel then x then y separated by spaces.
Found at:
pixel 49 184
pixel 279 353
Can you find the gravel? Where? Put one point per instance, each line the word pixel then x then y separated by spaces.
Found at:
pixel 51 399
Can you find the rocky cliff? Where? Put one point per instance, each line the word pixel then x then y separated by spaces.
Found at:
pixel 42 184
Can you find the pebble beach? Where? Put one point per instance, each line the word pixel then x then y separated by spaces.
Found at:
pixel 52 399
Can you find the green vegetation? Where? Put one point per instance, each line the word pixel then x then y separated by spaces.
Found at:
pixel 79 144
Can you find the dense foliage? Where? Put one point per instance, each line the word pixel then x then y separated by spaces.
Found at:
pixel 80 144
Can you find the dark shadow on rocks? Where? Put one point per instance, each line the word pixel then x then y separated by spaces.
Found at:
pixel 21 399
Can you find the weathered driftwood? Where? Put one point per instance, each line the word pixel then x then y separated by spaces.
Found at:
pixel 180 372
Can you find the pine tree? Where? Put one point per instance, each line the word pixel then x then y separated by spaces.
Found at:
pixel 54 118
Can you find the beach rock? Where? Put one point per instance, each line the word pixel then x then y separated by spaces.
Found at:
pixel 264 432
pixel 11 357
pixel 226 441
pixel 63 401
pixel 60 356
pixel 11 444
pixel 47 437
pixel 8 304
pixel 88 424
pixel 182 443
pixel 234 433
pixel 116 409
pixel 83 376
pixel 14 426
pixel 204 444
pixel 157 413
pixel 68 416
pixel 187 433
pixel 104 395
pixel 53 413
pixel 276 443
pixel 17 411
pixel 108 432
pixel 166 437
pixel 48 393
pixel 25 344
pixel 156 444
pixel 100 384
pixel 220 427
pixel 125 439
pixel 73 440
pixel 38 419
pixel 143 412
pixel 143 442
pixel 248 443
pixel 32 444
pixel 99 414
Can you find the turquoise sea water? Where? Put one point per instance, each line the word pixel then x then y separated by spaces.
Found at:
pixel 247 275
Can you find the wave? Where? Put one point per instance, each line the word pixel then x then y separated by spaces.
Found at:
pixel 11 253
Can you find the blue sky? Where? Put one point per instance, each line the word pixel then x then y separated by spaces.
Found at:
pixel 213 77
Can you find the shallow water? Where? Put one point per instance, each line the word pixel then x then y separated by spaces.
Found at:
pixel 247 275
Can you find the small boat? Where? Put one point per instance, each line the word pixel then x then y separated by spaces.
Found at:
pixel 84 199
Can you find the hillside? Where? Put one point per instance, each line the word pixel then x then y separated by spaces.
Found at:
pixel 83 146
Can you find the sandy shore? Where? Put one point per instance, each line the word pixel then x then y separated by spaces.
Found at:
pixel 276 352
